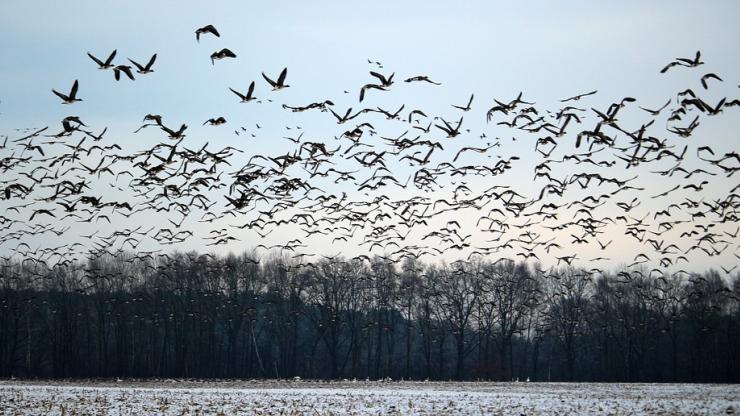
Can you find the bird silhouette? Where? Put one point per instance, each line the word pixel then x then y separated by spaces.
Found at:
pixel 71 97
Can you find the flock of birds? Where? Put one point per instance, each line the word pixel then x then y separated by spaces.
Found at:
pixel 53 182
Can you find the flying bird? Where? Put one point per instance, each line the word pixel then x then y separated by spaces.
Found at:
pixel 709 76
pixel 421 78
pixel 72 97
pixel 125 69
pixel 248 97
pixel 144 69
pixel 687 62
pixel 223 53
pixel 370 86
pixel 205 30
pixel 280 84
pixel 579 96
pixel 108 62
pixel 467 107
pixel 215 121
pixel 385 82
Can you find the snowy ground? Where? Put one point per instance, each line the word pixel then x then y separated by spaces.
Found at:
pixel 361 398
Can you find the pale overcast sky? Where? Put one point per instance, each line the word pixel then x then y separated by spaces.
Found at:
pixel 549 50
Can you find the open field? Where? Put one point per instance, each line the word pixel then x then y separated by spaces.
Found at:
pixel 358 398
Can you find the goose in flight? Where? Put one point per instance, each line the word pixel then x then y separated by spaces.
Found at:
pixel 215 121
pixel 144 69
pixel 385 82
pixel 125 69
pixel 579 96
pixel 205 30
pixel 421 78
pixel 108 62
pixel 687 62
pixel 467 107
pixel 280 84
pixel 223 53
pixel 248 97
pixel 657 112
pixel 346 117
pixel 710 75
pixel 447 128
pixel 72 97
pixel 175 134
pixel 369 86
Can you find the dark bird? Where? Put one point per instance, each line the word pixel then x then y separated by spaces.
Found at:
pixel 41 211
pixel 421 78
pixel 684 62
pixel 223 53
pixel 370 86
pixel 108 62
pixel 413 112
pixel 342 119
pixel 215 121
pixel 144 69
pixel 125 69
pixel 72 97
pixel 467 107
pixel 248 97
pixel 174 134
pixel 153 117
pixel 579 96
pixel 709 76
pixel 447 128
pixel 206 29
pixel 384 82
pixel 657 112
pixel 280 84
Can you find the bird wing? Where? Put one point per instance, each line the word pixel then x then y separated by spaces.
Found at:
pixel 97 61
pixel 250 91
pixel 111 56
pixel 281 78
pixel 269 81
pixel 667 67
pixel 335 114
pixel 362 93
pixel 136 64
pixel 127 70
pixel 378 76
pixel 60 95
pixel 243 97
pixel 73 91
pixel 151 61
pixel 212 29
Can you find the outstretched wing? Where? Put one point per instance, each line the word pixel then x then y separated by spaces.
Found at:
pixel 281 78
pixel 151 61
pixel 60 95
pixel 240 95
pixel 111 56
pixel 97 61
pixel 269 81
pixel 73 91
pixel 141 68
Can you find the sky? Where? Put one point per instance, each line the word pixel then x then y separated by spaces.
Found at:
pixel 548 50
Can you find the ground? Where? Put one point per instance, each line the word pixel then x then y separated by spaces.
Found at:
pixel 297 397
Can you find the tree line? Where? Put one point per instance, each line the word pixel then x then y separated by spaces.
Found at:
pixel 207 316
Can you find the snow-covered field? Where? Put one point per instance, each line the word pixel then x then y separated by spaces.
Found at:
pixel 363 398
